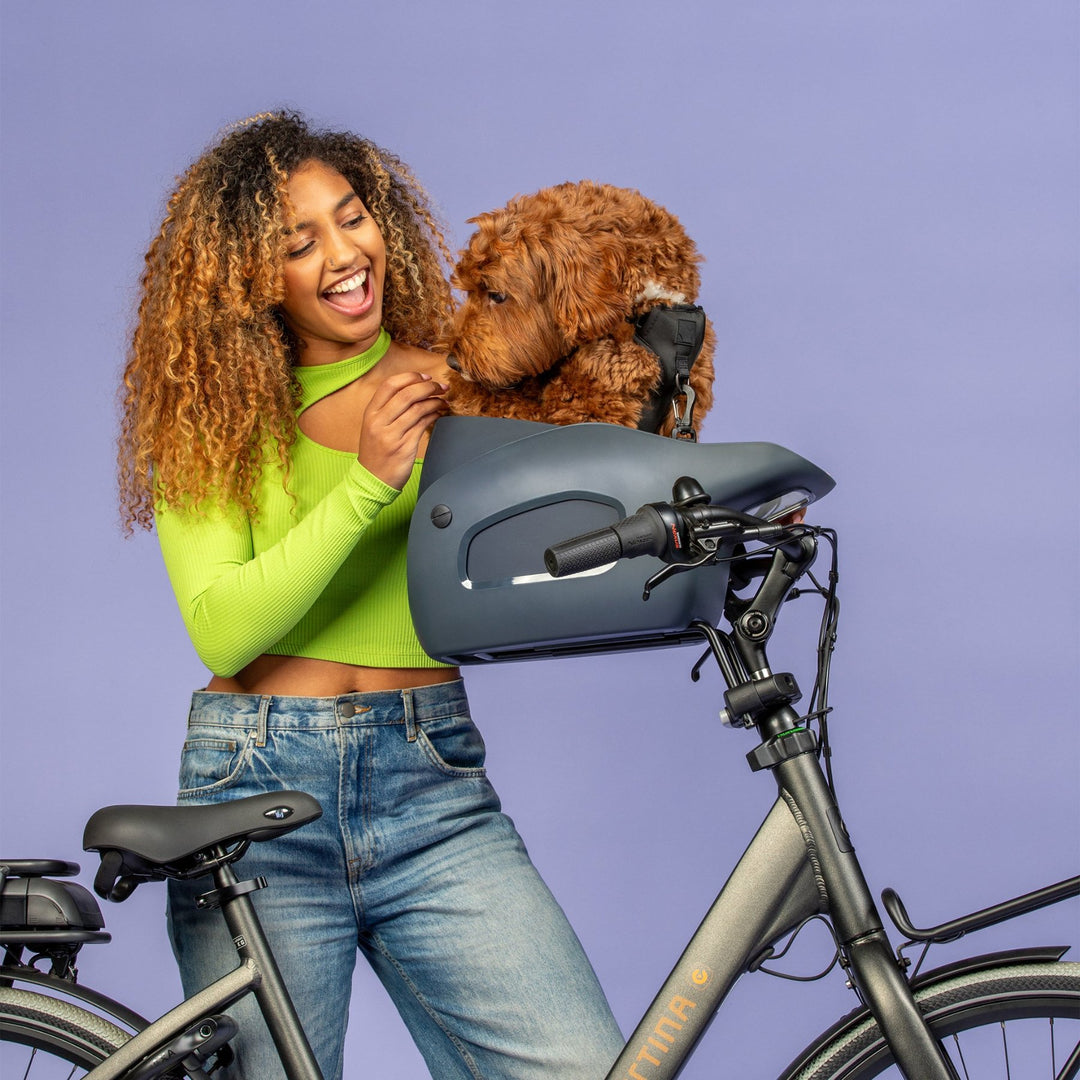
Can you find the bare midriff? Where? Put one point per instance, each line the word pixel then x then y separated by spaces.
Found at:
pixel 301 676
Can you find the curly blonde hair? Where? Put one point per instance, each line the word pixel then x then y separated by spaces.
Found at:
pixel 208 387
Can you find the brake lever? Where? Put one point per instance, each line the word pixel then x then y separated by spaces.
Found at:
pixel 670 569
pixel 662 575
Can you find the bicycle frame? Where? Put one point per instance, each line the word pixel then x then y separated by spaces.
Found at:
pixel 785 876
pixel 799 864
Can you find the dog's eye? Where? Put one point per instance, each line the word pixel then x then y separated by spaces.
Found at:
pixel 497 297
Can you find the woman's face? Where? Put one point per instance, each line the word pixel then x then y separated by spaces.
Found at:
pixel 335 267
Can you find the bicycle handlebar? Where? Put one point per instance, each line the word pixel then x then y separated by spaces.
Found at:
pixel 669 532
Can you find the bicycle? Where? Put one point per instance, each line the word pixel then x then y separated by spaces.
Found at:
pixel 713 545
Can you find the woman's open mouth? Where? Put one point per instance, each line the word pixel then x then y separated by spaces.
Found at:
pixel 351 296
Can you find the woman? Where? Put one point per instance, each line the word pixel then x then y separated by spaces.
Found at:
pixel 277 400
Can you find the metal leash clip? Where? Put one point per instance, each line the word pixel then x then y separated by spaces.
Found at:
pixel 684 415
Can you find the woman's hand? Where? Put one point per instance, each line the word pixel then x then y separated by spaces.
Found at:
pixel 400 413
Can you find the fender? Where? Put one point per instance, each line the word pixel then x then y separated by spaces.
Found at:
pixel 31 978
pixel 1046 954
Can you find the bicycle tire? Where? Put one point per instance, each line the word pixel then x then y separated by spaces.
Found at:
pixel 49 1031
pixel 969 1005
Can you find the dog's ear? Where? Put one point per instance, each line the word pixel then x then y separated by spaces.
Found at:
pixel 583 274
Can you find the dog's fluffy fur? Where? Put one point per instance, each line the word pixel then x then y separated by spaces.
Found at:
pixel 552 281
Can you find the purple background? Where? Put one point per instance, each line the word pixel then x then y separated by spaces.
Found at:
pixel 886 197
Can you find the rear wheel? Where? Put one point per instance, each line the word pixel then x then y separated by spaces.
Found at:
pixel 1012 1022
pixel 43 1037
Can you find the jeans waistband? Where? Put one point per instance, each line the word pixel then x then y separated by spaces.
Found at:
pixel 374 707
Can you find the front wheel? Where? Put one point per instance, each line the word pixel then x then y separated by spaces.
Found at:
pixel 1020 1020
pixel 43 1037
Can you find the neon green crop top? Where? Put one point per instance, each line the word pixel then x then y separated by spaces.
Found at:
pixel 321 576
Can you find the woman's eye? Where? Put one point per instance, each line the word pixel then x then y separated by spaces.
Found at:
pixel 296 253
pixel 497 297
pixel 355 222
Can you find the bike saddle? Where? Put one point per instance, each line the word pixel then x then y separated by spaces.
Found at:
pixel 150 843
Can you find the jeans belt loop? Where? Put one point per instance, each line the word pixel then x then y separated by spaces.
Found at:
pixel 264 709
pixel 410 716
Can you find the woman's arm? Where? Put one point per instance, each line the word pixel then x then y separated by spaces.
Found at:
pixel 237 604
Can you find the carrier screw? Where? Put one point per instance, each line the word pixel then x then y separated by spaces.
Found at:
pixel 441 516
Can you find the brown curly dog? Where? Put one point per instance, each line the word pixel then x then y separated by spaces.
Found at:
pixel 553 284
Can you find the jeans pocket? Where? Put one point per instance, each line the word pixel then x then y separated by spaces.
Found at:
pixel 212 764
pixel 453 745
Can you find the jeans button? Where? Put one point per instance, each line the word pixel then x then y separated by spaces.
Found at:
pixel 348 709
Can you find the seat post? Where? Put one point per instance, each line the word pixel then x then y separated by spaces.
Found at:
pixel 270 991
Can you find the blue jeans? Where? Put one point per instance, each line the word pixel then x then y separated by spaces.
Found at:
pixel 413 864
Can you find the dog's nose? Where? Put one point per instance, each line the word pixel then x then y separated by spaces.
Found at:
pixel 451 362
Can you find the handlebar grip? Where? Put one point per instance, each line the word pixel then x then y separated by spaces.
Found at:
pixel 643 533
pixel 583 552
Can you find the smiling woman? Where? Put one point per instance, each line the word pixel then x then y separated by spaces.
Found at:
pixel 278 395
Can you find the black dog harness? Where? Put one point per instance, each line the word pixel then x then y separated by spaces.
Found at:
pixel 674 335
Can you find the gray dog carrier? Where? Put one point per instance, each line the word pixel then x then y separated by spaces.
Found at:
pixel 495 493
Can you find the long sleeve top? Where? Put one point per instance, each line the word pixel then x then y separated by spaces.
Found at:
pixel 319 571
